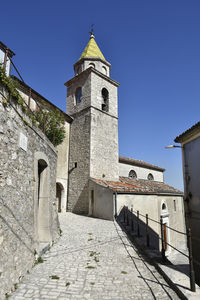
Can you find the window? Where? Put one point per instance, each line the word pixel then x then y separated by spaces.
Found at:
pixel 78 71
pixel 92 65
pixel 104 70
pixel 78 95
pixel 105 99
pixel 164 206
pixel 174 205
pixel 150 177
pixel 132 174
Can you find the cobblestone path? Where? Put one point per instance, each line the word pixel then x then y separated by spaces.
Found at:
pixel 93 259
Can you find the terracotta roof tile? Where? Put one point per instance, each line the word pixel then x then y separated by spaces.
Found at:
pixel 137 186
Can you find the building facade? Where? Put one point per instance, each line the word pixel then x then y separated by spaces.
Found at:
pixel 92 102
pixel 83 175
pixel 190 144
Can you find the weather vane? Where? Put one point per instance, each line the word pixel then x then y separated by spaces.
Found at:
pixel 92 29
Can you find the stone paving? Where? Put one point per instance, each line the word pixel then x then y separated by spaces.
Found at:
pixel 92 260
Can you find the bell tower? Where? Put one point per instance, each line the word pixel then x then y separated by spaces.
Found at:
pixel 92 101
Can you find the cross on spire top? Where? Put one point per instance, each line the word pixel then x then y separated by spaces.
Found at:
pixel 92 31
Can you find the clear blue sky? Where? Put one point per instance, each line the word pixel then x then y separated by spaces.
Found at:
pixel 154 49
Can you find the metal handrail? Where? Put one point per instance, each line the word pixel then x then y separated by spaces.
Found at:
pixel 127 212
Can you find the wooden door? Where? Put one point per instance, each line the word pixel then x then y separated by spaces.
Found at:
pixel 165 235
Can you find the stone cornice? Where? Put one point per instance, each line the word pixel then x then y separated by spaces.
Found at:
pixel 89 71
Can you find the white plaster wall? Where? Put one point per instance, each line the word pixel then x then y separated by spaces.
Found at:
pixel 2 54
pixel 103 202
pixel 33 105
pixel 62 165
pixel 191 169
pixel 141 172
pixel 151 205
pixel 143 203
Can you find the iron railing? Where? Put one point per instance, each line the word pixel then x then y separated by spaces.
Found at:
pixel 132 218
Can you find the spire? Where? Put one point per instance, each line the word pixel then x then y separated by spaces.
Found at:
pixel 92 49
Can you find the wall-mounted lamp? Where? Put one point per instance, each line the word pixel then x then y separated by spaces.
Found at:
pixel 172 146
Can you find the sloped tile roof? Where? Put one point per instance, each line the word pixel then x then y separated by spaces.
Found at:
pixel 138 186
pixel 139 163
pixel 187 133
pixel 92 50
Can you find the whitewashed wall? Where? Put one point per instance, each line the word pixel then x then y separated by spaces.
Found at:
pixel 2 54
pixel 141 172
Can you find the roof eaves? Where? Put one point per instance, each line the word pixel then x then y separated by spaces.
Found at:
pixel 4 48
pixel 139 163
pixel 192 130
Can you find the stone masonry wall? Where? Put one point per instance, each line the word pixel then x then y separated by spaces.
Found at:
pixel 79 153
pixel 18 229
pixel 104 146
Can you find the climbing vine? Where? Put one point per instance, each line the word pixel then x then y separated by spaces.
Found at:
pixel 51 122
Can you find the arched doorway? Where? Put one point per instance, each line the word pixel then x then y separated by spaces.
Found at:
pixel 59 196
pixel 41 196
pixel 165 217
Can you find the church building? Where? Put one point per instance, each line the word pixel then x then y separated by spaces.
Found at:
pixel 84 174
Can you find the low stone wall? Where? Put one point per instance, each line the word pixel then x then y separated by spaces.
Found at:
pixel 27 193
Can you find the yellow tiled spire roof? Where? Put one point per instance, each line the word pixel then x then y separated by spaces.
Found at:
pixel 92 50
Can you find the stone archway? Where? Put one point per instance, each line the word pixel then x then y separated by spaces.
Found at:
pixel 59 196
pixel 41 198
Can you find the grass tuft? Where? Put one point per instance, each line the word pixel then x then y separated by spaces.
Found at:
pixel 54 277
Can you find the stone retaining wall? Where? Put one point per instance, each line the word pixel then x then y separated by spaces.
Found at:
pixel 25 217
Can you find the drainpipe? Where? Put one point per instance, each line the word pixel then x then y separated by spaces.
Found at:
pixel 115 206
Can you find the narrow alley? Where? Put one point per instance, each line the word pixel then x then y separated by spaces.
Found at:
pixel 94 260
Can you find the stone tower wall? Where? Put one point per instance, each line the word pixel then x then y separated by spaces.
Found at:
pixel 93 136
pixel 79 153
pixel 99 82
pixel 83 81
pixel 104 146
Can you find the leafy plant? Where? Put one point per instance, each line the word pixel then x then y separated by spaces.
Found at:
pixel 7 295
pixel 90 267
pixel 51 122
pixel 54 277
pixel 40 260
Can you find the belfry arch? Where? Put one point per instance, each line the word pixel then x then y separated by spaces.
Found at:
pixel 41 198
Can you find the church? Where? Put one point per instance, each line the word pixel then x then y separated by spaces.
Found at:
pixel 86 175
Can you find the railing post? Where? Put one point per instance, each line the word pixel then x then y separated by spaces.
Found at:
pixel 127 216
pixel 162 239
pixel 138 225
pixel 192 276
pixel 147 230
pixel 132 224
